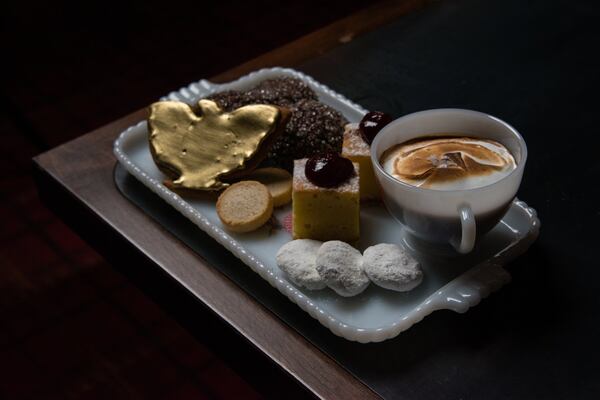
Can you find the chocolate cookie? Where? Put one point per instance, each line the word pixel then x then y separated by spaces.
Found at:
pixel 313 127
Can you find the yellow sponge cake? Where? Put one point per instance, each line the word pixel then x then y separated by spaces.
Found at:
pixel 357 150
pixel 325 213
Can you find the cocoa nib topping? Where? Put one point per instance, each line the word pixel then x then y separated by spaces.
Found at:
pixel 229 100
pixel 313 126
pixel 282 91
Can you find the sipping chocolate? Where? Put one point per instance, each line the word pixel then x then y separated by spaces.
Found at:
pixel 448 162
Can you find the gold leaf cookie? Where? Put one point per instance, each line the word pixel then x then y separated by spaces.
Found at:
pixel 199 151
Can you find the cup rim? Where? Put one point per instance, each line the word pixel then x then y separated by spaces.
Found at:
pixel 472 113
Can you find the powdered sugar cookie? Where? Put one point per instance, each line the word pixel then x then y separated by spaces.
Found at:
pixel 391 267
pixel 297 259
pixel 340 265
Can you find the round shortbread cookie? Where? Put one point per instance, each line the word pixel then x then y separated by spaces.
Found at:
pixel 297 259
pixel 340 265
pixel 277 180
pixel 391 267
pixel 245 206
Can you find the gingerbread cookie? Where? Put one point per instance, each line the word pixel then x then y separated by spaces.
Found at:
pixel 201 151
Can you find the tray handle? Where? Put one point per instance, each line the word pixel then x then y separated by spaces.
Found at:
pixel 476 284
pixel 470 288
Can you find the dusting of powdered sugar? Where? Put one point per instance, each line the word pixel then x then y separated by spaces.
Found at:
pixel 391 267
pixel 297 259
pixel 315 265
pixel 340 265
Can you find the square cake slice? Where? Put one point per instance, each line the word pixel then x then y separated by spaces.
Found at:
pixel 325 213
pixel 357 150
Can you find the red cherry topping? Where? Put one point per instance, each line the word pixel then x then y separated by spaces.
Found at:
pixel 372 123
pixel 328 169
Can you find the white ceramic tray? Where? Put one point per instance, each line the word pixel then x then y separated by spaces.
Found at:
pixel 377 314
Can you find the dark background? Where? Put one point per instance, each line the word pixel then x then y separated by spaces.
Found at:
pixel 71 327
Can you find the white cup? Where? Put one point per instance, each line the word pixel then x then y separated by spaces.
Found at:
pixel 457 217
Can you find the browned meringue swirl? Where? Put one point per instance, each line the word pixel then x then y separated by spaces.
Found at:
pixel 455 162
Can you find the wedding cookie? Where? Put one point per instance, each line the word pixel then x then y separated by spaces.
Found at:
pixel 297 259
pixel 390 267
pixel 340 265
pixel 245 206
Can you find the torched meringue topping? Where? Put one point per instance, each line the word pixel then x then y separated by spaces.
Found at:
pixel 449 162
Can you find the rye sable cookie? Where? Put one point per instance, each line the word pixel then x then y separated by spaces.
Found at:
pixel 277 180
pixel 245 206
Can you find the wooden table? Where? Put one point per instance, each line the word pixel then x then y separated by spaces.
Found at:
pixel 76 181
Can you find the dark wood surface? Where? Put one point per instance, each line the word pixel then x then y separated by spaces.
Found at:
pixel 76 180
pixel 84 168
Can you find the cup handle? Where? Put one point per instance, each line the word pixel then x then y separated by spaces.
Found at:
pixel 468 230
